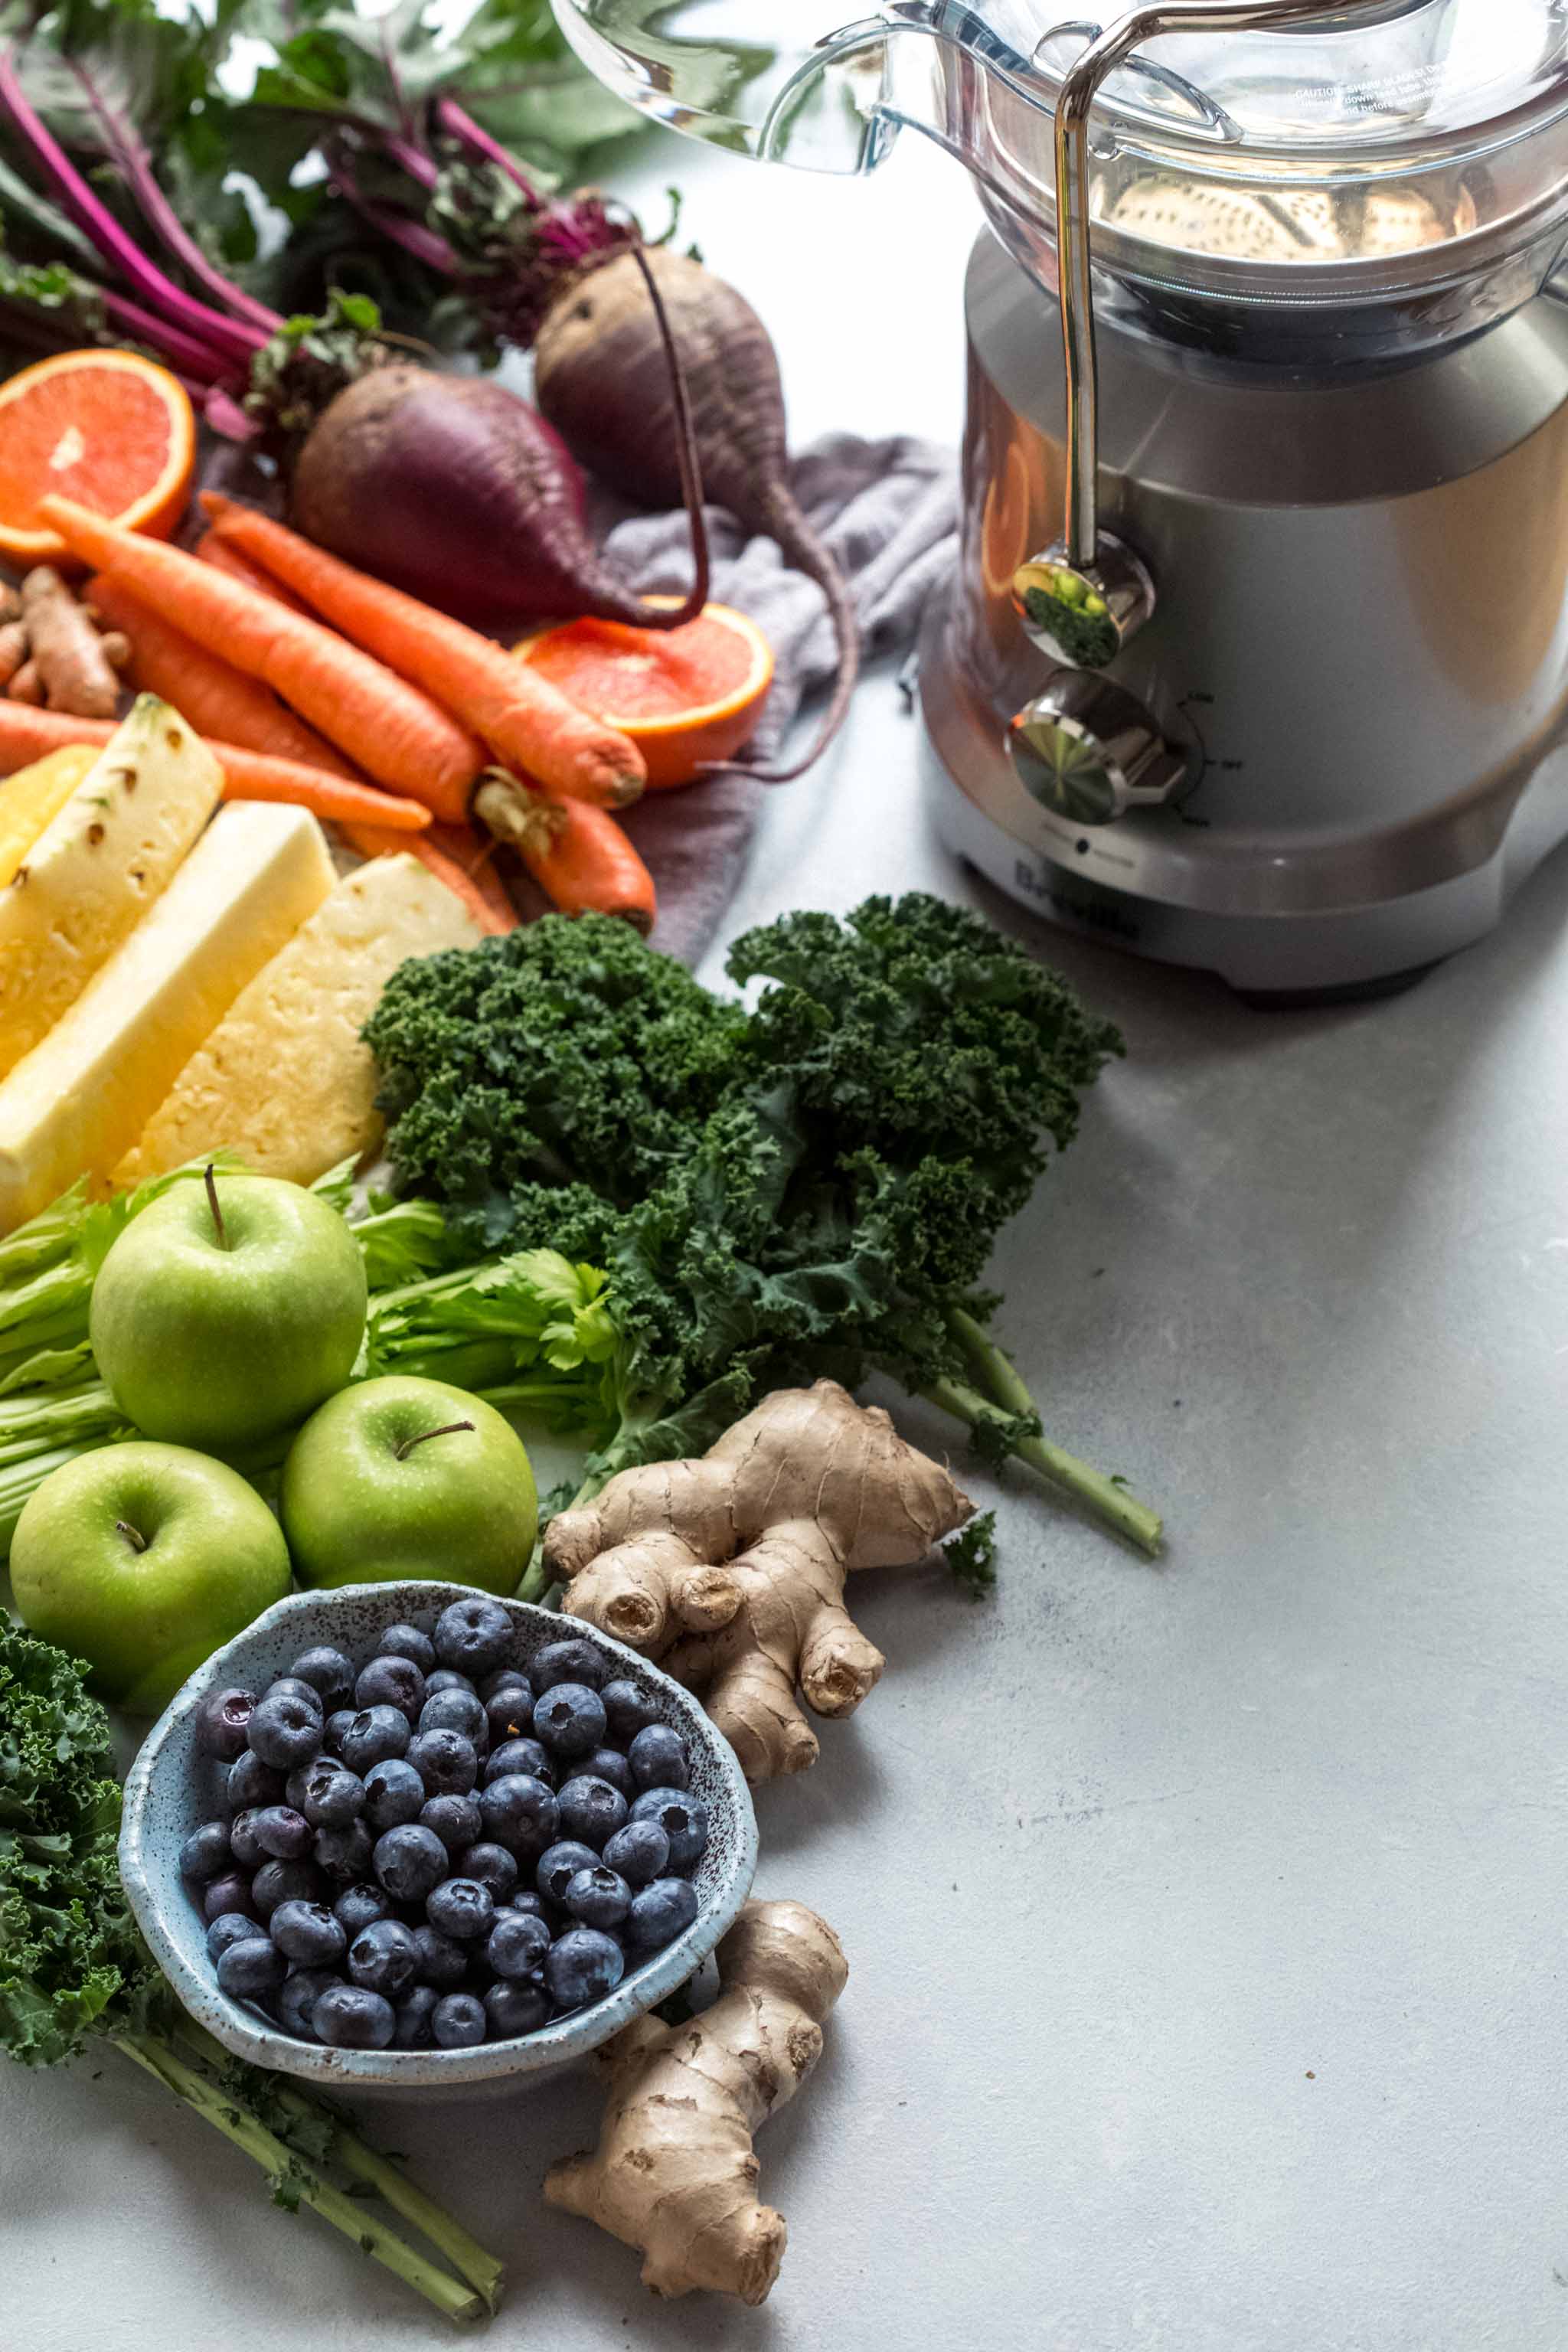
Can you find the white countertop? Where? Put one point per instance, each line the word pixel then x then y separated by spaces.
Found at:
pixel 1205 1921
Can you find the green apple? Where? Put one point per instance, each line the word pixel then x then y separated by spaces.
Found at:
pixel 227 1310
pixel 404 1478
pixel 143 1559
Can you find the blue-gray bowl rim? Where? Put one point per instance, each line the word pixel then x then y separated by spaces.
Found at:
pixel 179 1942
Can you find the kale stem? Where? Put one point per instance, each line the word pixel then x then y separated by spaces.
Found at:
pixel 1120 1511
pixel 226 2113
pixel 465 2253
pixel 995 1372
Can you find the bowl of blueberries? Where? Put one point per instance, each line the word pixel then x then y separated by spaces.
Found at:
pixel 409 1837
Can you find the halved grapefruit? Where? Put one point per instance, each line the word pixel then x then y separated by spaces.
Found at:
pixel 109 429
pixel 686 695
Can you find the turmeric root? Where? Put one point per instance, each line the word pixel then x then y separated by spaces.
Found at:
pixel 13 651
pixel 730 1570
pixel 71 661
pixel 674 2173
pixel 28 685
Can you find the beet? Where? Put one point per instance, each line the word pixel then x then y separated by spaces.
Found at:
pixel 455 490
pixel 602 380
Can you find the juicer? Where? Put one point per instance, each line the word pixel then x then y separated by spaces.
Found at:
pixel 1256 657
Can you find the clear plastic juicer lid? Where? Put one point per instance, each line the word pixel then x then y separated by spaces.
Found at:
pixel 1373 149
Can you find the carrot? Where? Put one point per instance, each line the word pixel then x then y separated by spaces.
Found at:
pixel 26 734
pixel 480 890
pixel 394 732
pixel 223 558
pixel 217 698
pixel 578 854
pixel 527 722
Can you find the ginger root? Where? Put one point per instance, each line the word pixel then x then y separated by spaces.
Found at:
pixel 730 1570
pixel 674 2173
pixel 71 658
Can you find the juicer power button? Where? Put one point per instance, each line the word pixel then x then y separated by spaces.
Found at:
pixel 1089 751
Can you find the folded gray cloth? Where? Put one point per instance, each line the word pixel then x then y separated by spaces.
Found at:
pixel 888 511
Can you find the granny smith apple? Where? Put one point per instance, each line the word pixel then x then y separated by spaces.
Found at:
pixel 404 1478
pixel 143 1559
pixel 227 1310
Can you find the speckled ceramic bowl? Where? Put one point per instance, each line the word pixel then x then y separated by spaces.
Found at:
pixel 174 1785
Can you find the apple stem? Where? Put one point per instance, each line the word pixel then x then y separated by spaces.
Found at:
pixel 137 1542
pixel 406 1445
pixel 211 1182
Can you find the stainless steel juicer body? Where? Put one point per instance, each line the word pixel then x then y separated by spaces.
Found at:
pixel 1359 650
pixel 1256 657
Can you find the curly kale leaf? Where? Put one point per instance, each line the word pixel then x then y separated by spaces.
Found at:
pixel 67 1948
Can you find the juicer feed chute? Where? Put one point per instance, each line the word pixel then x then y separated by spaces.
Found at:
pixel 1266 351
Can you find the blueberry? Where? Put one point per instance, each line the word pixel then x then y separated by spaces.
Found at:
pixel 514 2008
pixel 640 1853
pixel 295 2004
pixel 331 1796
pixel 628 1710
pixel 447 1678
pixel 393 1793
pixel 659 1913
pixel 286 1729
pixel 294 1786
pixel 462 1909
pixel 526 1899
pixel 308 1933
pixel 250 1968
pixel 475 1635
pixel 243 1843
pixel 282 1832
pixel 347 2017
pixel 407 1642
pixel 609 1764
pixel 333 1730
pixel 372 1735
pixel 205 1853
pixel 391 1682
pixel 447 1762
pixel 329 1674
pixel 509 1712
pixel 457 1820
pixel 520 1812
pixel 581 1966
pixel 459 2020
pixel 567 1662
pixel 591 1810
pixel 504 1678
pixel 344 1854
pixel 414 2013
pixel 231 1893
pixel 384 1956
pixel 570 1720
pixel 456 1710
pixel 357 1905
pixel 293 1686
pixel 559 1866
pixel 223 1720
pixel 682 1817
pixel 442 1963
pixel 599 1899
pixel 410 1861
pixel 492 1866
pixel 517 1943
pixel 252 1782
pixel 658 1758
pixel 286 1882
pixel 521 1756
pixel 230 1928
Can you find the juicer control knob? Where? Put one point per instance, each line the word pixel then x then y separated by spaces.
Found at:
pixel 1082 615
pixel 1089 751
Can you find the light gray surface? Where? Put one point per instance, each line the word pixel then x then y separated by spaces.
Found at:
pixel 1205 1921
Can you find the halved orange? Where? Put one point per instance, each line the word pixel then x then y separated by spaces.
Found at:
pixel 684 696
pixel 109 429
